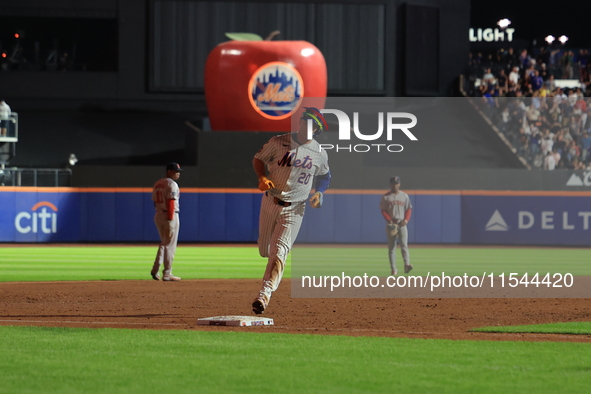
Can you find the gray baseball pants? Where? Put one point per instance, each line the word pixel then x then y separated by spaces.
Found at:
pixel 169 235
pixel 401 237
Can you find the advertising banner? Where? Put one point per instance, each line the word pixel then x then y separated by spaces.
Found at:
pixel 526 220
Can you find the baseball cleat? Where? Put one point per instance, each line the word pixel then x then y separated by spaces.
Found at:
pixel 259 305
pixel 155 276
pixel 394 272
pixel 407 268
pixel 170 278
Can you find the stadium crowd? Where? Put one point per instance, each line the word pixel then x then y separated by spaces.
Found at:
pixel 548 125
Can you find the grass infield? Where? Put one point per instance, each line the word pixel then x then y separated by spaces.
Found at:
pixel 78 360
pixel 58 263
pixel 576 328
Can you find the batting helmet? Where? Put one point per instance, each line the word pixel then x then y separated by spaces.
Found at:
pixel 317 118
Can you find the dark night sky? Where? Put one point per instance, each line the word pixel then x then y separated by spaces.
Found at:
pixel 536 19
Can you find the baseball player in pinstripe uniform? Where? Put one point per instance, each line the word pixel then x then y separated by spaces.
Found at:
pixel 165 196
pixel 294 163
pixel 397 209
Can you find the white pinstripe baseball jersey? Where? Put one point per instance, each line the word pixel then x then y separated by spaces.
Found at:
pixel 292 166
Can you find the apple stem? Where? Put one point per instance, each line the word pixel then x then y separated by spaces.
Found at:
pixel 272 35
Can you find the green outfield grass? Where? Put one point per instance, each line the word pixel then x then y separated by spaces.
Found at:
pixel 68 360
pixel 576 328
pixel 435 260
pixel 76 360
pixel 125 262
pixel 134 262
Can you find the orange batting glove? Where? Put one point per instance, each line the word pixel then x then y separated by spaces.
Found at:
pixel 265 184
pixel 316 200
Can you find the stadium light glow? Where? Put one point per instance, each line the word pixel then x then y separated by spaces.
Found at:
pixel 563 39
pixel 503 23
pixel 550 39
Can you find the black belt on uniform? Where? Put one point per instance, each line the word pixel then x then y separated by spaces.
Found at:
pixel 278 201
pixel 174 211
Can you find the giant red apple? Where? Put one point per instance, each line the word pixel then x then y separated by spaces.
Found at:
pixel 258 85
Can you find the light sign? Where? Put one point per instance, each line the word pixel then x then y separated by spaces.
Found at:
pixel 491 35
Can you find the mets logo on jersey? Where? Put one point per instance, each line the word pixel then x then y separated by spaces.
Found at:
pixel 275 90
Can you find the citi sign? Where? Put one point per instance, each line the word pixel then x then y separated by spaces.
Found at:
pixel 40 219
pixel 391 126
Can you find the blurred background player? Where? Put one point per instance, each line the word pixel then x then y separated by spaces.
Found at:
pixel 396 208
pixel 165 196
pixel 294 163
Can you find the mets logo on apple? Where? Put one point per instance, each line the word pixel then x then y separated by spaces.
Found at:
pixel 275 90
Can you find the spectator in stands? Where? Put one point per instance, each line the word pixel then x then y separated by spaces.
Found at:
pixel 554 62
pixel 529 72
pixel 555 113
pixel 532 113
pixel 566 136
pixel 503 124
pixel 555 121
pixel 524 59
pixel 583 60
pixel 544 73
pixel 502 82
pixel 587 85
pixel 557 156
pixel 543 57
pixel 585 144
pixel 514 76
pixel 536 81
pixel 577 164
pixel 587 125
pixel 542 122
pixel 546 145
pixel 550 84
pixel 509 57
pixel 527 89
pixel 535 143
pixel 544 91
pixel 5 113
pixel 581 107
pixel 572 152
pixel 566 65
pixel 559 143
pixel 549 162
pixel 559 95
pixel 572 97
pixel 488 78
pixel 575 126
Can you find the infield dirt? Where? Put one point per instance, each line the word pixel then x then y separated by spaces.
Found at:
pixel 147 304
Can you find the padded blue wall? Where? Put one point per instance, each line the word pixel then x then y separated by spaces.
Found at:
pixel 232 216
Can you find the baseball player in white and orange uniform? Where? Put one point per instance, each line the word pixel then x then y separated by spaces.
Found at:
pixel 165 196
pixel 396 208
pixel 294 163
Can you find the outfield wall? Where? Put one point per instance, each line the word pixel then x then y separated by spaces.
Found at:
pixel 348 216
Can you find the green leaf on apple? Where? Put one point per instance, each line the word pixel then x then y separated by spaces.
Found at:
pixel 244 37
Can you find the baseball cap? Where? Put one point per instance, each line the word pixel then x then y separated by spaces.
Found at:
pixel 395 179
pixel 173 167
